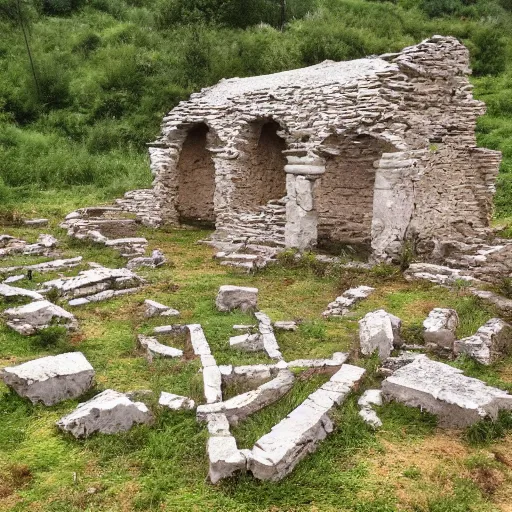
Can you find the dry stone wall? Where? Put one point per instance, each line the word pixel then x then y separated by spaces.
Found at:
pixel 414 110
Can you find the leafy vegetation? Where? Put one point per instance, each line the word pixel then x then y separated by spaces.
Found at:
pixel 105 71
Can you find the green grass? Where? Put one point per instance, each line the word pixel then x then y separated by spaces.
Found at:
pixel 164 466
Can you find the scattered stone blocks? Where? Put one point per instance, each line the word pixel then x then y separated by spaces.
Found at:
pixel 278 452
pixel 267 336
pixel 157 259
pixel 48 266
pixel 288 325
pixel 13 291
pixel 491 342
pixel 176 402
pixel 35 316
pixel 342 304
pixel 237 297
pixel 379 331
pixel 457 400
pixel 247 342
pixel 50 379
pixel 238 408
pixel 109 412
pixel 440 326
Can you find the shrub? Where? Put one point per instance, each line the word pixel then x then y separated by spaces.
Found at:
pixel 489 55
pixel 487 430
pixel 60 7
pixel 51 336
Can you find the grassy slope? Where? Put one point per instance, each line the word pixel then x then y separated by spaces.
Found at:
pixel 409 465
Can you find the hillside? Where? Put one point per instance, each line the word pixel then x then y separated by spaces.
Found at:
pixel 105 71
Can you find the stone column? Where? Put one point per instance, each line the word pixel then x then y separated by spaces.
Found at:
pixel 301 217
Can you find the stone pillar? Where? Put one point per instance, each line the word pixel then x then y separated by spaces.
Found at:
pixel 301 216
pixel 393 202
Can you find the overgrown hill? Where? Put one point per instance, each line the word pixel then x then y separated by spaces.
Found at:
pixel 105 71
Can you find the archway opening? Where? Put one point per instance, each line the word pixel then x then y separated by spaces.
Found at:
pixel 262 177
pixel 344 194
pixel 196 180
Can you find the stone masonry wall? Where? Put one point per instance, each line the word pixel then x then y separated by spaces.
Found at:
pixel 419 101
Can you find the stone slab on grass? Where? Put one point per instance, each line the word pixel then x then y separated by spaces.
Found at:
pixel 457 400
pixel 440 326
pixel 379 331
pixel 109 412
pixel 50 379
pixel 237 297
pixel 176 402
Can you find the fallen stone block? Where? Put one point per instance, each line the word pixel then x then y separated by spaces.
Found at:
pixel 33 317
pixel 342 304
pixel 337 359
pixel 50 379
pixel 457 400
pixel 503 304
pixel 109 412
pixel 276 454
pixel 440 326
pixel 437 274
pixel 154 348
pixel 8 291
pixel 225 458
pixel 489 344
pixel 268 337
pixel 238 408
pixel 48 266
pixel 154 308
pixel 247 342
pixel 286 325
pixel 379 331
pixel 176 402
pixel 14 279
pixel 237 297
pixel 90 282
pixel 157 259
pixel 212 381
pixel 35 222
pixel 392 364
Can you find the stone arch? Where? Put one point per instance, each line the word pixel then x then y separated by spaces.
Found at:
pixel 344 194
pixel 261 176
pixel 196 178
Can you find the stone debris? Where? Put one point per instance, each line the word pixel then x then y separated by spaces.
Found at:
pixel 286 325
pixel 503 304
pixel 93 281
pixel 100 296
pixel 36 222
pixel 276 454
pixel 14 279
pixel 176 402
pixel 366 402
pixel 238 408
pixel 342 304
pixel 337 359
pixel 10 246
pixel 109 412
pixel 440 326
pixel 240 327
pixel 489 344
pixel 7 292
pixel 141 203
pixel 379 330
pixel 247 342
pixel 106 225
pixel 255 374
pixel 457 400
pixel 48 266
pixel 157 259
pixel 33 317
pixel 438 274
pixel 154 348
pixel 224 456
pixel 392 364
pixel 267 335
pixel 237 297
pixel 156 309
pixel 50 379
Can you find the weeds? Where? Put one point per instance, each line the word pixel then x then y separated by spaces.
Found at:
pixel 487 431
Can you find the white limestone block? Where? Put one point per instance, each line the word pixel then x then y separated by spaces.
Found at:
pixel 440 326
pixel 247 342
pixel 176 402
pixel 457 400
pixel 8 291
pixel 50 379
pixel 237 297
pixel 155 348
pixel 378 330
pixel 109 412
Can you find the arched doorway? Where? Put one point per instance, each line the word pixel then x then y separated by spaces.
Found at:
pixel 196 179
pixel 261 177
pixel 344 194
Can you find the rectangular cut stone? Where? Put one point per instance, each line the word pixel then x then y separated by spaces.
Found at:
pixel 457 400
pixel 50 379
pixel 278 452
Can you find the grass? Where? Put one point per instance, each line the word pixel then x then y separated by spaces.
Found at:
pixel 164 467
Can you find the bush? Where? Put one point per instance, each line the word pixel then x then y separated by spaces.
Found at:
pixel 60 7
pixel 51 336
pixel 489 55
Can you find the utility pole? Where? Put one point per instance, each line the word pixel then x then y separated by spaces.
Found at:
pixel 22 25
pixel 282 19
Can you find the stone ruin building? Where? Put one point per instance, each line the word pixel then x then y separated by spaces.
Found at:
pixel 367 153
